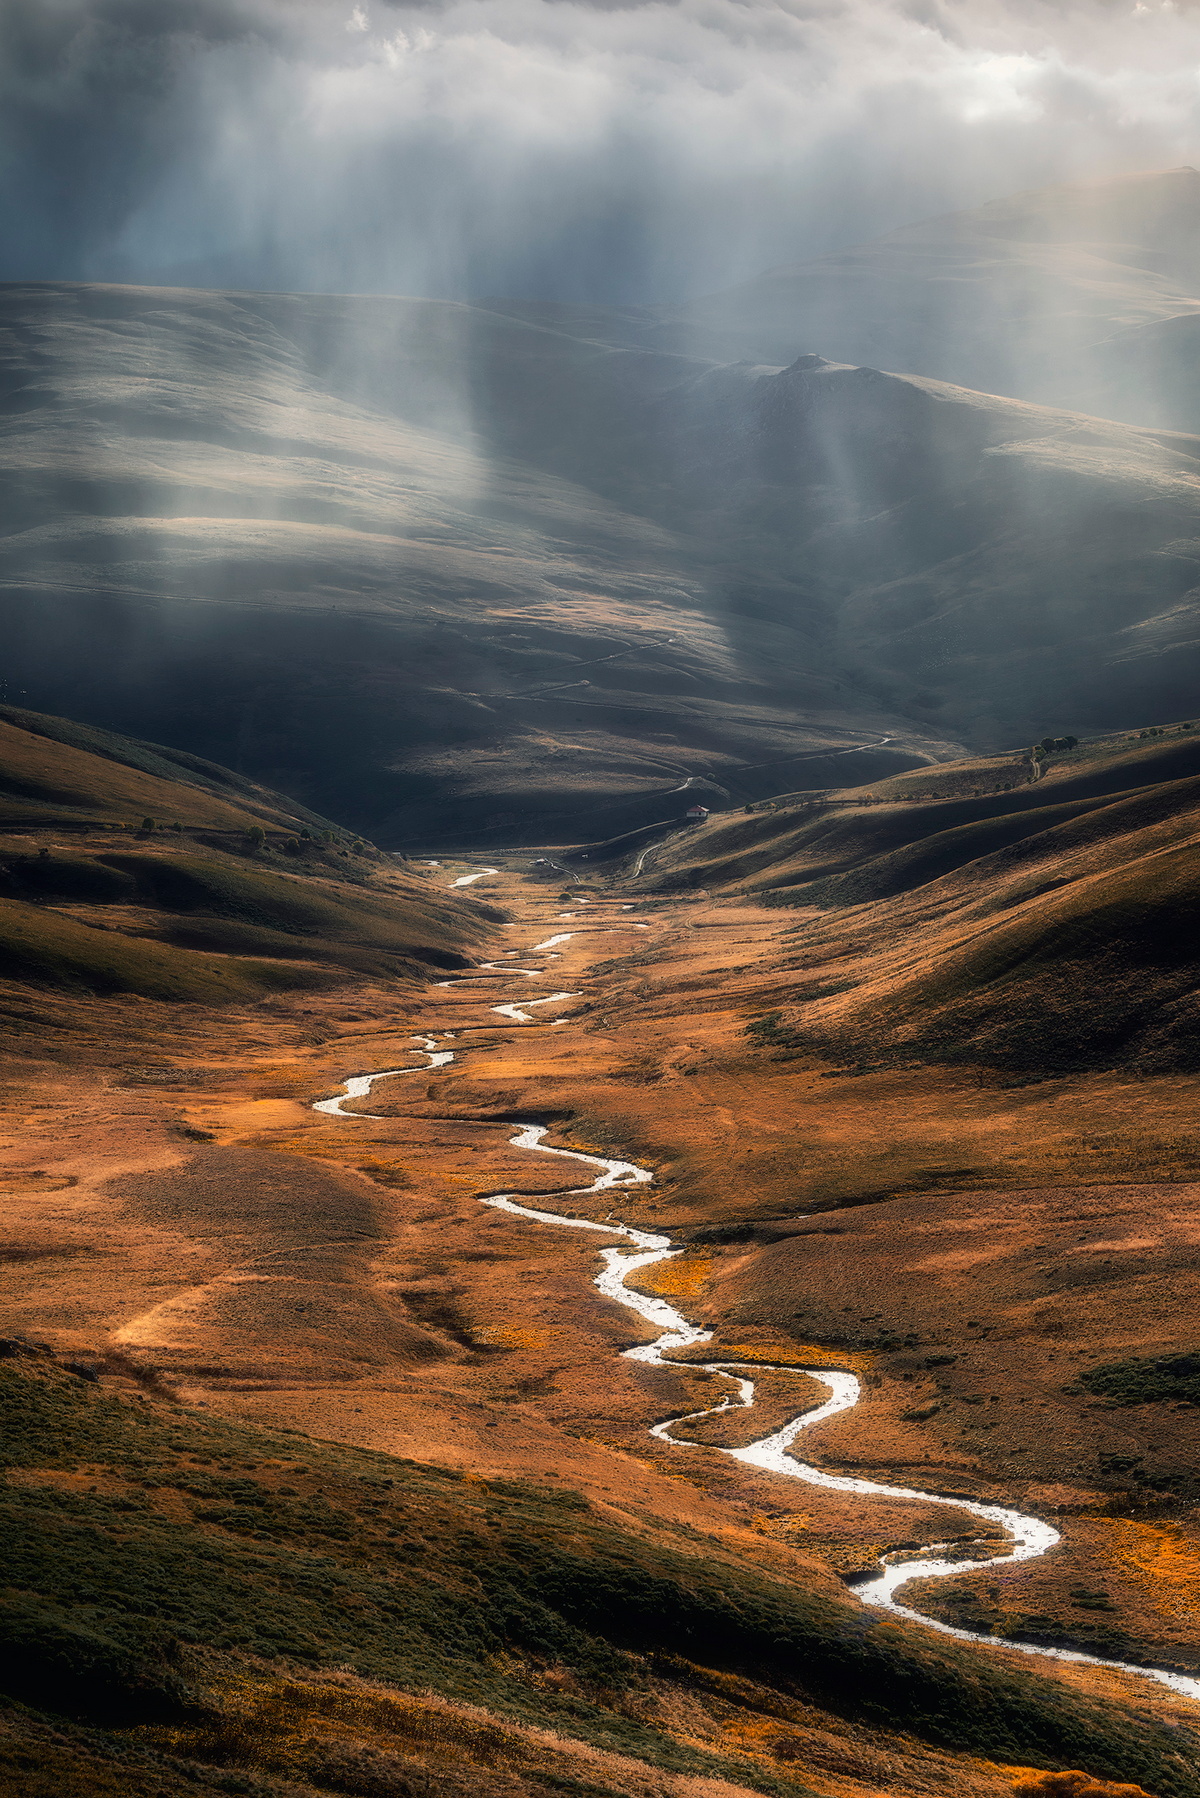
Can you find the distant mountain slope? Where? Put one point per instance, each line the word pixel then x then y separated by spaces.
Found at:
pixel 1019 297
pixel 292 532
pixel 450 573
pixel 999 567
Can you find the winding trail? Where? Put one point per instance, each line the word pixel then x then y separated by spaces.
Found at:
pixel 1029 1537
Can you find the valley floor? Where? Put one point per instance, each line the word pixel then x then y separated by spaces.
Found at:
pixel 182 1219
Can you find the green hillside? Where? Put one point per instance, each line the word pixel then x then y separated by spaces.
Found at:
pixel 193 1605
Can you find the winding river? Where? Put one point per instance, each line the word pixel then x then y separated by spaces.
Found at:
pixel 1029 1537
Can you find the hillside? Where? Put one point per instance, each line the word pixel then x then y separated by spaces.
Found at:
pixel 977 914
pixel 197 1606
pixel 126 868
pixel 1047 295
pixel 524 585
pixel 326 1476
pixel 965 559
pixel 342 542
pixel 1084 296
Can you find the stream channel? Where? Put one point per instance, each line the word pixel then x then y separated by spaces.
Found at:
pixel 1029 1537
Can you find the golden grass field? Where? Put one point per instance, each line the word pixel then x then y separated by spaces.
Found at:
pixel 969 1237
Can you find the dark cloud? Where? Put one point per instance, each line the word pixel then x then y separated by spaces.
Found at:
pixel 548 147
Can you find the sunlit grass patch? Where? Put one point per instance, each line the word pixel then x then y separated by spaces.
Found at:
pixel 786 1354
pixel 683 1277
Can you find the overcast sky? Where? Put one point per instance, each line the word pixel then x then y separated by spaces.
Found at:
pixel 550 148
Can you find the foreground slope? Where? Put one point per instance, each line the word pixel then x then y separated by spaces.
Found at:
pixel 189 1601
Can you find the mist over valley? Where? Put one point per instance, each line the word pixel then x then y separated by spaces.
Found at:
pixel 479 572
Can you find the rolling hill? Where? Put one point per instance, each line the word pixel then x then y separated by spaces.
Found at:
pixel 981 915
pixel 126 868
pixel 451 573
pixel 280 531
pixel 1044 295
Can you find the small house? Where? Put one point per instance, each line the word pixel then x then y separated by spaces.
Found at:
pixel 696 814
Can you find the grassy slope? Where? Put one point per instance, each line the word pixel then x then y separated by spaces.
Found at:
pixel 1030 924
pixel 203 912
pixel 58 771
pixel 213 1593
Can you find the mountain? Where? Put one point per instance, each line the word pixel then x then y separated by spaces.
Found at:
pixel 1084 296
pixel 296 533
pixel 443 572
pixel 1042 295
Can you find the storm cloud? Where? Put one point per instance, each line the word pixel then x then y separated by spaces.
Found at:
pixel 631 153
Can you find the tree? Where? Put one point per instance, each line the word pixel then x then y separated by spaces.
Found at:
pixel 256 836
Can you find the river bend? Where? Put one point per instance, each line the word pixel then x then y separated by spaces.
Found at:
pixel 1029 1537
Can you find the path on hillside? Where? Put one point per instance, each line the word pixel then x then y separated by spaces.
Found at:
pixel 1030 1537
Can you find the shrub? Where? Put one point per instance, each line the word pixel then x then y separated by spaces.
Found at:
pixel 1146 1380
pixel 52 1662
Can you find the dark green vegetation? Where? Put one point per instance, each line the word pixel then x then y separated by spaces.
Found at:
pixel 977 1607
pixel 157 1562
pixel 1037 915
pixel 1146 1380
pixel 240 894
